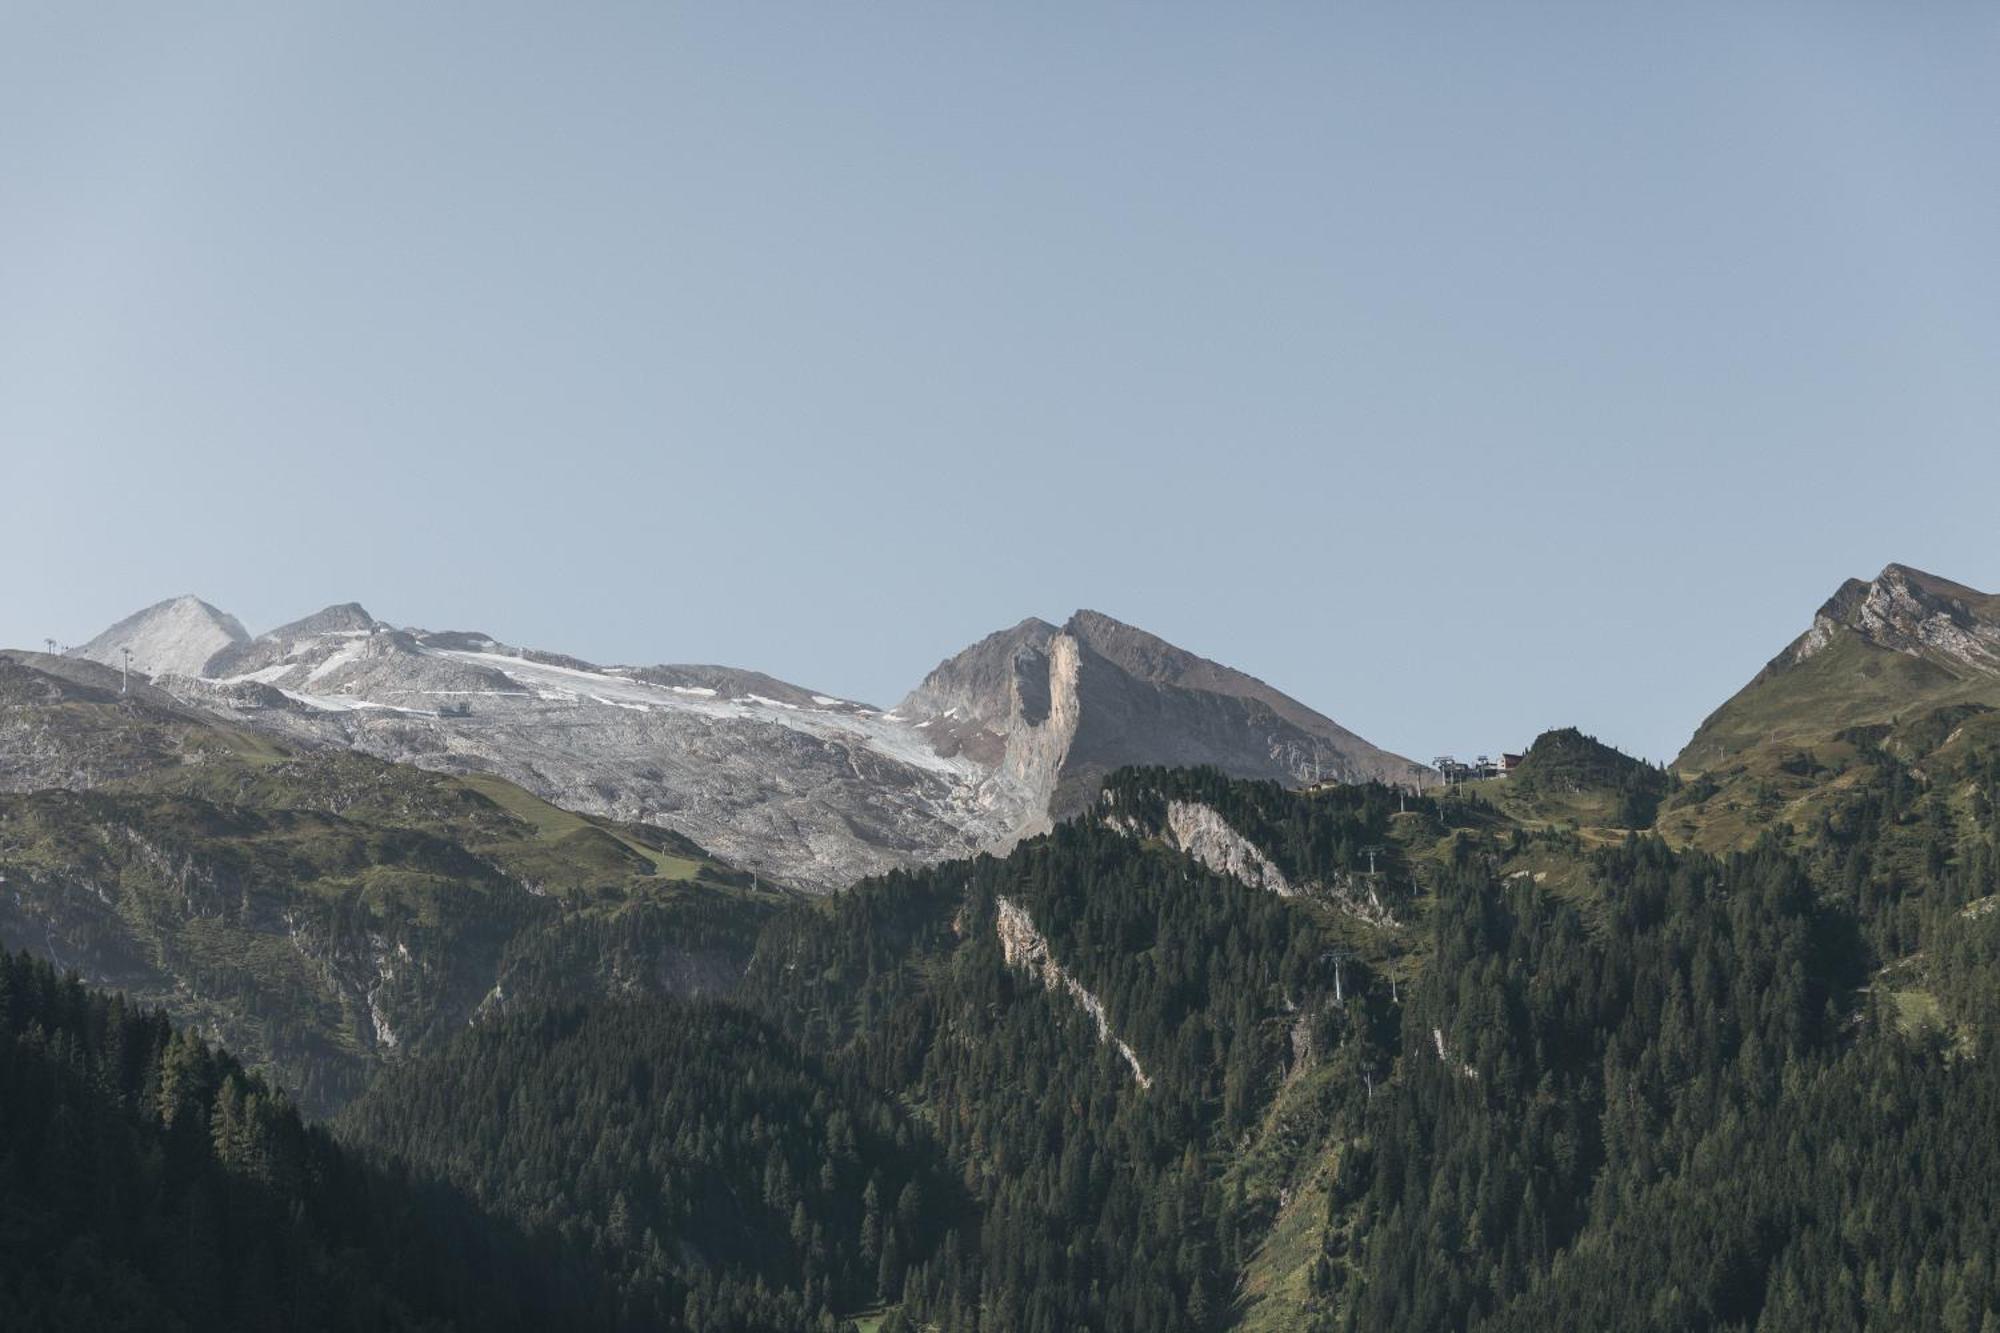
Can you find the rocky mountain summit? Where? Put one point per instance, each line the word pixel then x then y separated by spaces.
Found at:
pixel 1876 650
pixel 799 786
pixel 176 637
pixel 1055 710
pixel 1911 612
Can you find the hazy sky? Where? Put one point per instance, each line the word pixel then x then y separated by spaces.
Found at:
pixel 1462 370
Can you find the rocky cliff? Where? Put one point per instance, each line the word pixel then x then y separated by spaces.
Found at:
pixel 1908 611
pixel 1057 709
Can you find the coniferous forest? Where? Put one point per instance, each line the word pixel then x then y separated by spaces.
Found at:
pixel 1404 1063
pixel 148 1182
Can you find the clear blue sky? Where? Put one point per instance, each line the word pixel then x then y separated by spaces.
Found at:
pixel 1462 370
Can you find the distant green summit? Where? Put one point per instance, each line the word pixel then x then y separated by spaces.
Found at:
pixel 1568 760
pixel 1905 643
pixel 1567 768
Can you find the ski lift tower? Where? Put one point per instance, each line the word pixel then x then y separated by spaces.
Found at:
pixel 1339 957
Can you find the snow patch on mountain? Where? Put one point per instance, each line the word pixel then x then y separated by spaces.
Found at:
pixel 802 786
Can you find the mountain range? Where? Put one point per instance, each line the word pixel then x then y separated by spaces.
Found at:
pixel 1594 1044
pixel 798 786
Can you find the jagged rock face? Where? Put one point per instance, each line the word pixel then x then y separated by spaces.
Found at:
pixel 1909 611
pixel 176 637
pixel 1057 709
pixel 802 787
pixel 1199 831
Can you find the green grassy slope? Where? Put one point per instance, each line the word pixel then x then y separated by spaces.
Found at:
pixel 1850 682
pixel 1902 663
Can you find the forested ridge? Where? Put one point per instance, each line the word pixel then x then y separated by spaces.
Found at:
pixel 148 1182
pixel 713 1174
pixel 1751 1090
pixel 1577 1076
pixel 1103 1203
